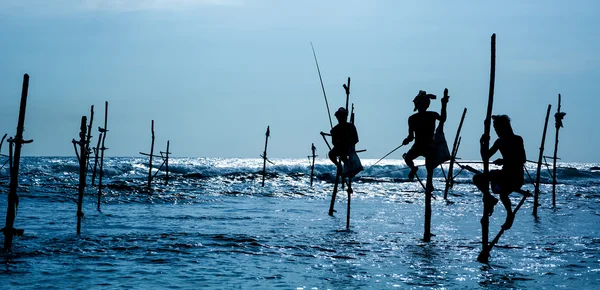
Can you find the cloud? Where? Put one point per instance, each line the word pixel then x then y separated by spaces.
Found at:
pixel 74 6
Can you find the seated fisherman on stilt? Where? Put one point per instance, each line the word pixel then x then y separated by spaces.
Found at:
pixel 343 137
pixel 421 128
pixel 510 178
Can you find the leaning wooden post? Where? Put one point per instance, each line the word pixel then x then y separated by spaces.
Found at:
pixel 167 164
pixel 450 179
pixel 96 156
pixel 558 124
pixel 485 146
pixel 88 139
pixel 264 171
pixel 151 155
pixel 82 170
pixel 103 131
pixel 312 165
pixel 539 165
pixel 13 198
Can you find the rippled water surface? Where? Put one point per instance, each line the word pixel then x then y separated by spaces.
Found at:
pixel 214 226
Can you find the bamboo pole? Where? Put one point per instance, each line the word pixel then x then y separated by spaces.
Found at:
pixel 502 230
pixel 167 164
pixel 334 193
pixel 450 179
pixel 96 156
pixel 13 198
pixel 151 155
pixel 101 149
pixel 82 170
pixel 347 89
pixel 264 172
pixel 558 124
pixel 88 139
pixel 539 165
pixel 312 166
pixel 485 145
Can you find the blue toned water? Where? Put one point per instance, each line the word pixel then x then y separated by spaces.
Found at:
pixel 214 226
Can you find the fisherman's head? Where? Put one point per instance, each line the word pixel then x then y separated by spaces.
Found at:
pixel 422 101
pixel 502 125
pixel 341 114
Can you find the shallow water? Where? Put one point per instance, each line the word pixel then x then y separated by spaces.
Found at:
pixel 213 226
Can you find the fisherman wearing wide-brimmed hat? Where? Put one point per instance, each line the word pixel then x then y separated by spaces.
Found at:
pixel 421 129
pixel 343 138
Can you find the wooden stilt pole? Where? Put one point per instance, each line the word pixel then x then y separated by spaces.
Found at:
pixel 539 165
pixel 502 230
pixel 88 152
pixel 96 156
pixel 312 166
pixel 558 124
pixel 264 172
pixel 349 202
pixel 167 164
pixel 82 170
pixel 13 198
pixel 450 179
pixel 150 161
pixel 103 131
pixel 485 146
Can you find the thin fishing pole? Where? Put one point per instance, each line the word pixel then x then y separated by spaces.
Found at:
pixel 386 155
pixel 322 86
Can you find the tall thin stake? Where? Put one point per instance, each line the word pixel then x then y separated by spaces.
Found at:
pixel 312 165
pixel 167 164
pixel 82 170
pixel 539 165
pixel 450 179
pixel 558 124
pixel 88 139
pixel 264 155
pixel 485 146
pixel 347 89
pixel 101 149
pixel 96 156
pixel 13 198
pixel 151 155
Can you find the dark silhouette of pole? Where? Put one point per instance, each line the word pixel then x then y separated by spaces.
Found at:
pixel 312 165
pixel 502 230
pixel 264 172
pixel 103 131
pixel 96 156
pixel 322 86
pixel 539 165
pixel 88 139
pixel 167 164
pixel 347 89
pixel 17 142
pixel 151 155
pixel 450 179
pixel 485 147
pixel 82 170
pixel 558 124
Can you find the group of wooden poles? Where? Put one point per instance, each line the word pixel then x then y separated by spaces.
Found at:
pixel 84 152
pixel 84 155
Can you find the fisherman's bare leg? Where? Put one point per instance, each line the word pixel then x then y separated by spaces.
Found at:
pixel 510 217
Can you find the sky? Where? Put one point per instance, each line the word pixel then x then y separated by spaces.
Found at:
pixel 213 74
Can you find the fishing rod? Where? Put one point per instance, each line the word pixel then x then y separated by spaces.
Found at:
pixel 322 86
pixel 386 155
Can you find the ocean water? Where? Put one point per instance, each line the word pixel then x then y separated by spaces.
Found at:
pixel 214 227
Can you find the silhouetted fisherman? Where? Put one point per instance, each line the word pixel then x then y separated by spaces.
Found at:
pixel 343 138
pixel 421 129
pixel 510 177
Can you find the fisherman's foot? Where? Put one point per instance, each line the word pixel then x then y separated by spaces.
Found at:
pixel 412 173
pixel 510 218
